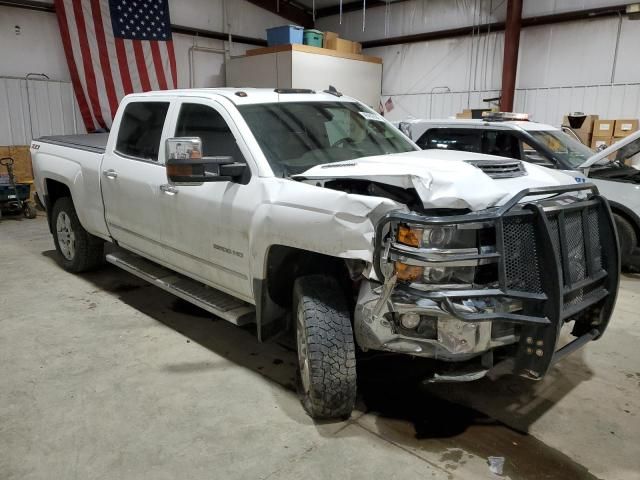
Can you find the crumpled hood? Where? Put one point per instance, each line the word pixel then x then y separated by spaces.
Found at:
pixel 441 178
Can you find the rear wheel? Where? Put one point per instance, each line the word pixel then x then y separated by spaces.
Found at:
pixel 627 240
pixel 326 349
pixel 80 251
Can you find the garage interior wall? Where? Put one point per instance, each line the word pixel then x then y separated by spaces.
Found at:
pixel 36 47
pixel 562 67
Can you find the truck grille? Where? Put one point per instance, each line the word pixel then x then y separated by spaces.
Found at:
pixel 521 257
pixel 500 168
pixel 575 236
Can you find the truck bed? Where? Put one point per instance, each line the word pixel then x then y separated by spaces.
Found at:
pixel 91 142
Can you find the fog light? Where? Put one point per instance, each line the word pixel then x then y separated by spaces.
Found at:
pixel 410 320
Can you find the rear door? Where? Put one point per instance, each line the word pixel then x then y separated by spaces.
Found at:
pixel 132 174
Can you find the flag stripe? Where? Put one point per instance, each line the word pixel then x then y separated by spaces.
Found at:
pixel 112 53
pixel 123 63
pixel 75 49
pixel 133 70
pixel 148 64
pixel 86 62
pixel 142 66
pixel 172 62
pixel 73 70
pixel 157 63
pixel 103 54
pixel 94 55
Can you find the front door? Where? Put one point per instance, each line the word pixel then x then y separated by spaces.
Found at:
pixel 208 225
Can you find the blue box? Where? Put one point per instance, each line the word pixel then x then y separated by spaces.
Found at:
pixel 284 35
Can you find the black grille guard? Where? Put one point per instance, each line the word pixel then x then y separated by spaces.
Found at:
pixel 567 289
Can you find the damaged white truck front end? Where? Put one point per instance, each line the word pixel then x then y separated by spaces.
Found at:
pixel 484 265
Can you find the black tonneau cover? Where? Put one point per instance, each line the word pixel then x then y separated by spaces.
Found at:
pixel 91 142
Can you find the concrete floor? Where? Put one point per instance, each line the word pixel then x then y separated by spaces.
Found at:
pixel 104 376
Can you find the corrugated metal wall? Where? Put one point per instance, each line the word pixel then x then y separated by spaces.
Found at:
pixel 35 108
pixel 545 105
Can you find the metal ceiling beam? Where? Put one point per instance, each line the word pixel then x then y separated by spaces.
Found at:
pixel 292 11
pixel 351 7
pixel 29 5
pixel 601 12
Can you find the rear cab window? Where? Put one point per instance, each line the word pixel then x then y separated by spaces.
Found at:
pixel 502 143
pixel 466 140
pixel 140 130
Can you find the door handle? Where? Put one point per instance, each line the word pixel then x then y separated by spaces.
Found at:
pixel 111 173
pixel 168 189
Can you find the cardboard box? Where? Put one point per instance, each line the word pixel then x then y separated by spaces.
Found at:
pixel 465 114
pixel 597 142
pixel 586 127
pixel 603 128
pixel 584 137
pixel 624 127
pixel 356 47
pixel 330 36
pixel 339 44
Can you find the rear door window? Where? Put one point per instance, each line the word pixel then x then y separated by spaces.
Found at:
pixel 466 140
pixel 501 143
pixel 141 130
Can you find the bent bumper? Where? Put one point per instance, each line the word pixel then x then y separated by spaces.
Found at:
pixel 557 261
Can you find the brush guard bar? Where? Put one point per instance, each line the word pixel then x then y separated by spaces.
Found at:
pixel 557 255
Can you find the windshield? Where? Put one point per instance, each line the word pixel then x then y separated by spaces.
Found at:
pixel 563 146
pixel 297 136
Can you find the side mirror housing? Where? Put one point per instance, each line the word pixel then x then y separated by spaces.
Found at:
pixel 186 166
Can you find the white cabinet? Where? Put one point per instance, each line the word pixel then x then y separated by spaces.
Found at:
pixel 302 66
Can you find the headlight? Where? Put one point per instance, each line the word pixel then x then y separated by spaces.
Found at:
pixel 440 240
pixel 436 237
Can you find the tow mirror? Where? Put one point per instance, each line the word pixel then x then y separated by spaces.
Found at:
pixel 186 165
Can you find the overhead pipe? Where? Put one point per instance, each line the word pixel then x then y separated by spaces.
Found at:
pixel 510 59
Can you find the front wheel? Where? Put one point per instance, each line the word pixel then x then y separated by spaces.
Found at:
pixel 627 239
pixel 80 251
pixel 326 349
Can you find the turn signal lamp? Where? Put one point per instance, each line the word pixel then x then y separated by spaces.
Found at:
pixel 410 236
pixel 408 273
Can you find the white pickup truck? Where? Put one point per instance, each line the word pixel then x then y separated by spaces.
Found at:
pixel 307 212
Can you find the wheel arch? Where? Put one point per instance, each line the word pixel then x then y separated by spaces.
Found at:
pixel 54 190
pixel 283 265
pixel 629 215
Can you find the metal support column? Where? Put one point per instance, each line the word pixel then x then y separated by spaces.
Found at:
pixel 510 60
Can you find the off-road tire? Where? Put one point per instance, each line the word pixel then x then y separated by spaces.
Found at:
pixel 626 238
pixel 321 315
pixel 89 249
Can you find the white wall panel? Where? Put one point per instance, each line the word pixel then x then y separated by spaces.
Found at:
pixel 37 48
pixel 49 108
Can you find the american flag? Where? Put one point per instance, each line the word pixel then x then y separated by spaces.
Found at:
pixel 115 47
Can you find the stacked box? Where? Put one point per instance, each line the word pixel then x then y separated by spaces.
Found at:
pixel 624 127
pixel 583 131
pixel 332 41
pixel 602 133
